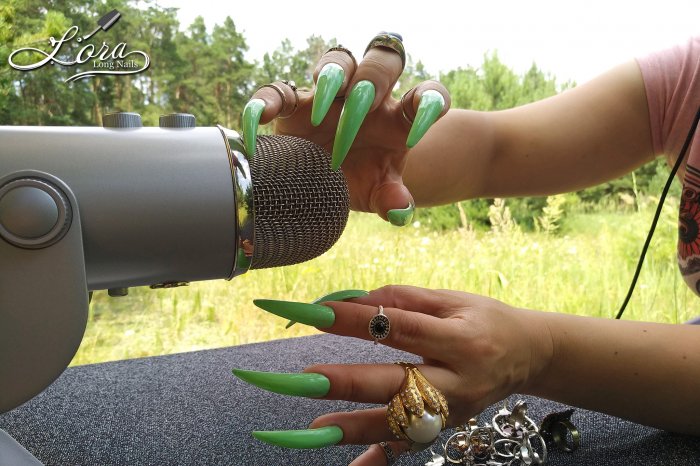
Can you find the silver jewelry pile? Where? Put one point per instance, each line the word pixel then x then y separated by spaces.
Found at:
pixel 512 439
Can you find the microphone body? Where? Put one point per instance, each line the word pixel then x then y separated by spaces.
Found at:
pixel 89 208
pixel 156 205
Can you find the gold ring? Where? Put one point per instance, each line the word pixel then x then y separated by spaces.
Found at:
pixel 280 91
pixel 418 412
pixel 389 40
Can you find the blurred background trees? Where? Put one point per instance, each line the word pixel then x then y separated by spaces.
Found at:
pixel 205 72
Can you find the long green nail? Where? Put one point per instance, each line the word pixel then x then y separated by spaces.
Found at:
pixel 315 315
pixel 336 296
pixel 354 112
pixel 401 217
pixel 429 108
pixel 329 81
pixel 304 384
pixel 305 438
pixel 251 119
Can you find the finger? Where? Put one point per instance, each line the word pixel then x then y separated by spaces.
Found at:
pixel 423 106
pixel 373 383
pixel 378 454
pixel 440 303
pixel 333 429
pixel 369 426
pixel 395 201
pixel 382 64
pixel 372 82
pixel 278 99
pixel 362 427
pixel 341 295
pixel 332 74
pixel 415 332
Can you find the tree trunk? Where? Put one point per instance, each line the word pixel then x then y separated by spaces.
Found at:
pixel 96 110
pixel 127 93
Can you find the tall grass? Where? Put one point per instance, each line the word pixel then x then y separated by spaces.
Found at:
pixel 585 268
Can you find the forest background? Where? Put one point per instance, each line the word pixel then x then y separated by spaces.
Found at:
pixel 573 252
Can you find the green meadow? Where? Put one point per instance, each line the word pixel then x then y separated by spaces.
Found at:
pixel 583 265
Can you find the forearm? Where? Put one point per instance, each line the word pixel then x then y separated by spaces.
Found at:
pixel 646 372
pixel 579 138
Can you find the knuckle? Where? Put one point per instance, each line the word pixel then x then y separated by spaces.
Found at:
pixel 388 293
pixel 352 389
pixel 409 332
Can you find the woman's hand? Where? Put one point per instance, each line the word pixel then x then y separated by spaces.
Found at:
pixel 351 113
pixel 475 350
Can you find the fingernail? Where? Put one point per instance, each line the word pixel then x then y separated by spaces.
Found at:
pixel 335 296
pixel 310 385
pixel 305 438
pixel 401 217
pixel 329 81
pixel 354 112
pixel 251 119
pixel 315 315
pixel 429 108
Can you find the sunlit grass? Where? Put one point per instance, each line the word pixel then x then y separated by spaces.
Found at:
pixel 584 270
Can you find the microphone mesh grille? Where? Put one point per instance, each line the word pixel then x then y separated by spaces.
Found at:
pixel 301 205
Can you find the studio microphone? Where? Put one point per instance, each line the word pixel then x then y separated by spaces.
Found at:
pixel 90 208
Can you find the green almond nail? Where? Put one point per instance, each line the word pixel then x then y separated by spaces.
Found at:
pixel 354 112
pixel 335 296
pixel 305 438
pixel 309 385
pixel 401 217
pixel 315 315
pixel 251 119
pixel 429 108
pixel 329 81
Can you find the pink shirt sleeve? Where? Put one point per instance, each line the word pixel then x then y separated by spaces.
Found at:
pixel 672 82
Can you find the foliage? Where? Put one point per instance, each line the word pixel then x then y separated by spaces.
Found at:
pixel 571 253
pixel 501 220
pixel 205 72
pixel 297 66
pixel 549 221
pixel 584 271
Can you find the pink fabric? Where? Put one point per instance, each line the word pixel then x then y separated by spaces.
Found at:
pixel 672 82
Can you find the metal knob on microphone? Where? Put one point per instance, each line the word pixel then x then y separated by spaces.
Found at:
pixel 89 208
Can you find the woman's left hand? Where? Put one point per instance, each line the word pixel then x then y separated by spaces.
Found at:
pixel 351 113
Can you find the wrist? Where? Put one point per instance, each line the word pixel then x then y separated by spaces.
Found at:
pixel 541 343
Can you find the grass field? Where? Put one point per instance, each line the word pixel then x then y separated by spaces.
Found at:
pixel 584 269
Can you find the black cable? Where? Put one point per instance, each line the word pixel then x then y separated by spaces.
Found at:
pixel 675 168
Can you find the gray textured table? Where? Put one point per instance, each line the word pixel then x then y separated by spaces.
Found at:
pixel 187 409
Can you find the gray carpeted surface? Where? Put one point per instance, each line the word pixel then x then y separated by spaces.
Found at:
pixel 187 409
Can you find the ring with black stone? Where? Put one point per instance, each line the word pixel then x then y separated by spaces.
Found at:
pixel 379 326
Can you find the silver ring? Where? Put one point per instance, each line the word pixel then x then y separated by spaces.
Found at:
pixel 390 456
pixel 379 325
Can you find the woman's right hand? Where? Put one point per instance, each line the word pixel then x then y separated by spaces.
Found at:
pixel 475 351
pixel 351 113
